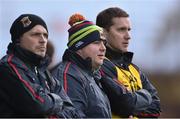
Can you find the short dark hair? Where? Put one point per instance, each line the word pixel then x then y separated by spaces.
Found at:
pixel 104 18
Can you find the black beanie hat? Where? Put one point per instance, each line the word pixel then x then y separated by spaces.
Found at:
pixel 24 23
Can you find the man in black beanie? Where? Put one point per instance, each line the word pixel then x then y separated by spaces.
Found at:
pixel 26 87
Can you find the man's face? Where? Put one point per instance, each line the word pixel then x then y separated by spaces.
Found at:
pixel 118 35
pixel 96 51
pixel 35 40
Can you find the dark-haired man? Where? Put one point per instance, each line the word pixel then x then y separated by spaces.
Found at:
pixel 128 88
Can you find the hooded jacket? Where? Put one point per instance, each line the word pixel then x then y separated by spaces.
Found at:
pixel 82 86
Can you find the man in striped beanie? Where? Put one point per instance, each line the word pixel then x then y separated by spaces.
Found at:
pixel 79 70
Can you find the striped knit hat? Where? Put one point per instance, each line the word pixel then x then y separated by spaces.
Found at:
pixel 82 32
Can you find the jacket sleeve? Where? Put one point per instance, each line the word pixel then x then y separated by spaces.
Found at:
pixel 153 110
pixel 124 102
pixel 26 98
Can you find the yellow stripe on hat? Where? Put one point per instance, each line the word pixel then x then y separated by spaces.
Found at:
pixel 83 35
pixel 82 30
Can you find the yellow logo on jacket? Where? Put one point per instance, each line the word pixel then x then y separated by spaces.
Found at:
pixel 130 79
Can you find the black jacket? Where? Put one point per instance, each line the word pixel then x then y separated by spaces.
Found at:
pixel 26 87
pixel 83 86
pixel 141 103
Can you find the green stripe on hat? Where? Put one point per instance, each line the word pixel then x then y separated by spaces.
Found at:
pixel 81 31
pixel 88 30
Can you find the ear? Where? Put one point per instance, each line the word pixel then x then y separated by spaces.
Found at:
pixel 79 52
pixel 17 41
pixel 105 32
pixel 102 34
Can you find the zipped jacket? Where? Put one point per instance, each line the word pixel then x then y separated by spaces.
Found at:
pixel 129 90
pixel 82 86
pixel 27 89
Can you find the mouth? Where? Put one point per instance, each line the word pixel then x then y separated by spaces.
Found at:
pixel 42 48
pixel 101 56
pixel 126 44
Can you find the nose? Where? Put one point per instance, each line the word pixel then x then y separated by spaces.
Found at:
pixel 43 39
pixel 128 35
pixel 103 47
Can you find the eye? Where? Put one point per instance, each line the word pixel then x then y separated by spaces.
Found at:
pixel 45 35
pixel 97 42
pixel 104 42
pixel 122 29
pixel 36 34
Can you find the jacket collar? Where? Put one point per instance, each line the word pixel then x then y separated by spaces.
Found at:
pixel 78 60
pixel 119 57
pixel 28 58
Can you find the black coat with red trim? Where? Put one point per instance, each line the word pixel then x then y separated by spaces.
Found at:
pixel 25 89
pixel 141 103
pixel 82 86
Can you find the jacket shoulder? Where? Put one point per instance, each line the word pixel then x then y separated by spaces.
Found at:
pixel 5 64
pixel 67 69
pixel 109 69
pixel 135 66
